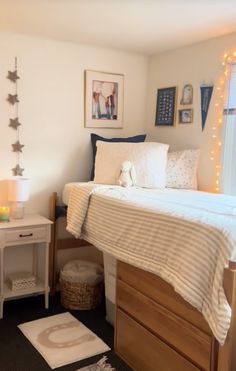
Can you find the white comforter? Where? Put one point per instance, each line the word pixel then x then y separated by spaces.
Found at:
pixel 185 237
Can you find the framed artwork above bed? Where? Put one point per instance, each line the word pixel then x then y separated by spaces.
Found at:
pixel 104 99
pixel 166 106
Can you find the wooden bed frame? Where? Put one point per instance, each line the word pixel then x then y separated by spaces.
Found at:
pixel 155 328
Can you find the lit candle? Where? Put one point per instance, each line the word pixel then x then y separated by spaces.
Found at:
pixel 4 213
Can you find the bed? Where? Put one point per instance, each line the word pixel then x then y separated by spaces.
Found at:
pixel 176 325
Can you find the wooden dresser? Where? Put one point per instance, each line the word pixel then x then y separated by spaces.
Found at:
pixel 156 329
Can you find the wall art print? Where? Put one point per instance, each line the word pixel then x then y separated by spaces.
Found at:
pixel 186 116
pixel 187 95
pixel 104 99
pixel 165 108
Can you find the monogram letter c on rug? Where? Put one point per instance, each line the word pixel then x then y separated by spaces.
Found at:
pixel 64 332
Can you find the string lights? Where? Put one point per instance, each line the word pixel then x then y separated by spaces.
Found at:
pixel 216 129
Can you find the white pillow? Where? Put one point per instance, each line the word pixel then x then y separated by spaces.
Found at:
pixel 148 158
pixel 181 171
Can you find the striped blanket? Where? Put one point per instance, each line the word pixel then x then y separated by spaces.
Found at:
pixel 187 238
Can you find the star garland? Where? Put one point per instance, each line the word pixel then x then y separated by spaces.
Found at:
pixel 14 123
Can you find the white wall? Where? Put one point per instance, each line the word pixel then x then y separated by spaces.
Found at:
pixel 51 92
pixel 51 109
pixel 196 64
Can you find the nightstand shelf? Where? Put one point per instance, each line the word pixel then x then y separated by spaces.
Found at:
pixel 37 289
pixel 33 231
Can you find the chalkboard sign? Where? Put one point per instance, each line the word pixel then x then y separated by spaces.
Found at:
pixel 165 109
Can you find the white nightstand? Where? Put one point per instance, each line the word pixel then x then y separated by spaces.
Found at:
pixel 33 230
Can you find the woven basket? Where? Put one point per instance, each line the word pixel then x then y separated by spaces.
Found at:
pixel 82 296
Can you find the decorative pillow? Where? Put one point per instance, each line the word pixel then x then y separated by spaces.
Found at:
pixel 149 160
pixel 95 137
pixel 181 171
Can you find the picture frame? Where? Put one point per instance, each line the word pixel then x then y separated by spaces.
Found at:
pixel 187 95
pixel 104 99
pixel 186 116
pixel 166 106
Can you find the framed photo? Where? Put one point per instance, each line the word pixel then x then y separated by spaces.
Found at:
pixel 165 108
pixel 185 116
pixel 104 99
pixel 187 95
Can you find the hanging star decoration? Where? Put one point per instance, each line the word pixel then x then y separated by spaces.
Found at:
pixel 17 147
pixel 12 76
pixel 14 123
pixel 12 98
pixel 17 170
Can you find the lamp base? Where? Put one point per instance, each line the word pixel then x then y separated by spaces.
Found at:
pixel 17 210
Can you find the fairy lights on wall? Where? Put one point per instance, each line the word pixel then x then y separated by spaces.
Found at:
pixel 216 129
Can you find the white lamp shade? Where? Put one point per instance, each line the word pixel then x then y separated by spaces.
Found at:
pixel 18 190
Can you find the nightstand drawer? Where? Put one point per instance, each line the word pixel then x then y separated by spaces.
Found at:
pixel 25 235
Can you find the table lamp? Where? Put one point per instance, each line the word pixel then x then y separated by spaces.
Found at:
pixel 18 194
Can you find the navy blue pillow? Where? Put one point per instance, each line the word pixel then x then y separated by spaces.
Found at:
pixel 95 137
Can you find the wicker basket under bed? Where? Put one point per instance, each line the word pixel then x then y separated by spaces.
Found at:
pixel 81 285
pixel 75 295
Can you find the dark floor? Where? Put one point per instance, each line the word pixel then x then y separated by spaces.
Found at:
pixel 17 353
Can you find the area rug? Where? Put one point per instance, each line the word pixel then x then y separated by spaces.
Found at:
pixel 101 365
pixel 62 339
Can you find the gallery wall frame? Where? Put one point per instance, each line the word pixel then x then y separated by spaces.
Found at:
pixel 104 99
pixel 186 116
pixel 187 95
pixel 166 106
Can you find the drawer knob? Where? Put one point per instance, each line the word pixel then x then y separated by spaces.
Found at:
pixel 26 235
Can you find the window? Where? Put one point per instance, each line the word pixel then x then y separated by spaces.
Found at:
pixel 228 178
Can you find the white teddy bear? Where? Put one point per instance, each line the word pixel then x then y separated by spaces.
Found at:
pixel 127 177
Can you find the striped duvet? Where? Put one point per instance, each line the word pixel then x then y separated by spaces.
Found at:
pixel 187 238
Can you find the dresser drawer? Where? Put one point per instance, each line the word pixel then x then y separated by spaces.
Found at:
pixel 189 340
pixel 25 235
pixel 144 351
pixel 160 291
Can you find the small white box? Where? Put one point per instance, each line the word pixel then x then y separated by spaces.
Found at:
pixel 21 280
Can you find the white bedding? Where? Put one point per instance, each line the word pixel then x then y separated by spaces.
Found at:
pixel 185 237
pixel 67 189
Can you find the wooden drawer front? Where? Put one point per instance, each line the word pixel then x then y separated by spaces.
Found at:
pixel 159 290
pixel 25 235
pixel 145 352
pixel 180 334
